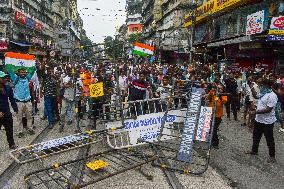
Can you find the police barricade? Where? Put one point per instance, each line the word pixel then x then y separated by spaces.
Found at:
pixel 188 152
pixel 45 149
pixel 143 119
pixel 97 167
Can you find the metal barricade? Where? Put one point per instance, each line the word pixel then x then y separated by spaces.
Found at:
pixel 45 149
pixel 146 122
pixel 188 151
pixel 97 167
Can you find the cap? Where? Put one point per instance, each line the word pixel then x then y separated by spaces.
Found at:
pixel 2 74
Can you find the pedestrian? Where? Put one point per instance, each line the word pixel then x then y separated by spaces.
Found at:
pixel 232 89
pixel 219 112
pixel 250 92
pixel 50 92
pixel 22 94
pixel 6 119
pixel 265 119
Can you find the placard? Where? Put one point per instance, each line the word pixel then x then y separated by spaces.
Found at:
pixel 97 90
pixel 204 124
pixel 185 149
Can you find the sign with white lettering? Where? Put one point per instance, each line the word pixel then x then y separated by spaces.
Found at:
pixel 185 150
pixel 147 127
pixel 204 124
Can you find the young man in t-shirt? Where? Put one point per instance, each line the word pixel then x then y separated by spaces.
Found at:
pixel 265 119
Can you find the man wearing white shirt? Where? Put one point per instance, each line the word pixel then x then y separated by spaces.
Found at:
pixel 265 119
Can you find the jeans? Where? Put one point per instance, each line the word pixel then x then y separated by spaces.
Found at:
pixel 7 122
pixel 267 130
pixel 49 102
pixel 69 109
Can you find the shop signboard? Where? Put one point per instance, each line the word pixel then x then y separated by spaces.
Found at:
pixel 255 23
pixel 3 44
pixel 212 7
pixel 27 21
pixel 275 38
pixel 277 26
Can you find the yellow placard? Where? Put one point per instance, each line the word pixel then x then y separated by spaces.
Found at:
pixel 97 90
pixel 98 164
pixel 211 7
pixel 276 32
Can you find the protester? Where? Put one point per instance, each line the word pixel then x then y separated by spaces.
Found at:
pixel 6 120
pixel 231 88
pixel 22 94
pixel 265 119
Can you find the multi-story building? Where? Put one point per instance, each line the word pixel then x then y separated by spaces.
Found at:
pixel 243 33
pixel 163 25
pixel 39 26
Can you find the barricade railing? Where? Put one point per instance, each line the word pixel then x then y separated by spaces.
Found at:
pixel 45 149
pixel 188 152
pixel 97 167
pixel 146 124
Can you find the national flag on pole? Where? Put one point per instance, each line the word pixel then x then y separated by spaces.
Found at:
pixel 15 61
pixel 142 49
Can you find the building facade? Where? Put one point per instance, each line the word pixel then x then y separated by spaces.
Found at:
pixel 39 26
pixel 239 32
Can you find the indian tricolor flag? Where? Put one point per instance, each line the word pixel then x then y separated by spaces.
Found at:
pixel 15 61
pixel 142 49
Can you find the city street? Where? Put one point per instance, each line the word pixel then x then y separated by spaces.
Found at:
pixel 142 94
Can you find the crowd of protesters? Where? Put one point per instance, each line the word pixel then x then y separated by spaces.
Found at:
pixel 256 92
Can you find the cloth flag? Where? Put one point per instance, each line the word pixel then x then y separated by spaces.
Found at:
pixel 142 49
pixel 15 61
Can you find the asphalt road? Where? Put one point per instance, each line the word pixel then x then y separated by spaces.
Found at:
pixel 218 178
pixel 245 171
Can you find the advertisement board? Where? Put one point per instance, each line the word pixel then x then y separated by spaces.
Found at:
pixel 255 23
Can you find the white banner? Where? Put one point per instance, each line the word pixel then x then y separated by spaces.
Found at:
pixel 255 23
pixel 147 127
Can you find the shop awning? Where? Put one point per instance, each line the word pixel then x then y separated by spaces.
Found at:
pixel 22 44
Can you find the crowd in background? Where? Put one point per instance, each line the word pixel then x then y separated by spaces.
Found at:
pixel 255 91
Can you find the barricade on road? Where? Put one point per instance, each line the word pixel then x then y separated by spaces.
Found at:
pixel 97 167
pixel 188 152
pixel 145 123
pixel 45 149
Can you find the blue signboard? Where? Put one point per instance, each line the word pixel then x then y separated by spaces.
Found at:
pixel 275 38
pixel 185 149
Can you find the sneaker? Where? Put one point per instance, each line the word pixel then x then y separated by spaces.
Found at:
pixel 21 135
pixel 281 130
pixel 271 160
pixel 31 132
pixel 243 124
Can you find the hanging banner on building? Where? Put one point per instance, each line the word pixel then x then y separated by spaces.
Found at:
pixel 185 149
pixel 15 61
pixel 277 26
pixel 97 90
pixel 255 23
pixel 204 124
